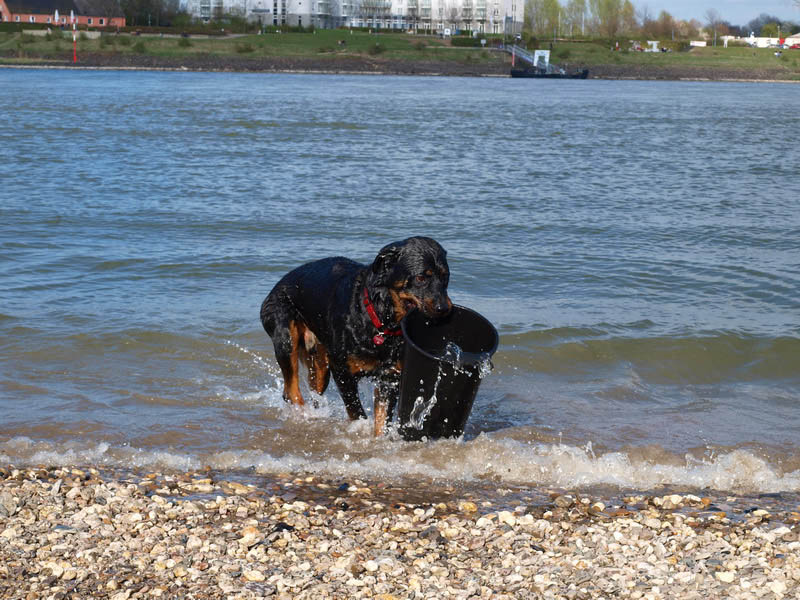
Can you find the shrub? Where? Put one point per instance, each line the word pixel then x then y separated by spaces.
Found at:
pixel 376 49
pixel 244 48
pixel 184 42
pixel 53 36
pixel 465 42
pixel 125 40
pixel 531 41
pixel 420 46
pixel 139 47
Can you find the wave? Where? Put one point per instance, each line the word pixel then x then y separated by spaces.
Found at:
pixel 716 356
pixel 487 458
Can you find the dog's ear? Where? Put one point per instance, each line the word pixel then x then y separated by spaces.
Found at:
pixel 385 261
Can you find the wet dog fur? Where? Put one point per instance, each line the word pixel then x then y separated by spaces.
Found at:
pixel 317 315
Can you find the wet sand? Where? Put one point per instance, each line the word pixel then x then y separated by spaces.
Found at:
pixel 81 532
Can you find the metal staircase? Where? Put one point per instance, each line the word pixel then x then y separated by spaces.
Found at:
pixel 520 52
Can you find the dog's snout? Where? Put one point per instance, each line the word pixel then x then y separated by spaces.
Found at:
pixel 442 307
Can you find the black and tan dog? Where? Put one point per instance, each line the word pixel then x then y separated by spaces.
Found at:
pixel 342 318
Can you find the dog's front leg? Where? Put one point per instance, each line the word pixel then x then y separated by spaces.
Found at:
pixel 385 398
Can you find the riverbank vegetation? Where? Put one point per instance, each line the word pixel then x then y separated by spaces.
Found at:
pixel 331 49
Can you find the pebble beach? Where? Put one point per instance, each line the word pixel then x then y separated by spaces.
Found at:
pixel 70 532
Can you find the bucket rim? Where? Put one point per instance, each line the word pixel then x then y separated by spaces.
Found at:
pixel 427 354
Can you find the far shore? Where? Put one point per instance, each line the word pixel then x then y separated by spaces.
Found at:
pixel 357 65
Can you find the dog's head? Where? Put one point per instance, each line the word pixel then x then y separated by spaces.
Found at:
pixel 416 274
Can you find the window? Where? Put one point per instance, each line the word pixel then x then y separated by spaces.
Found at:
pixel 89 20
pixel 32 19
pixel 102 21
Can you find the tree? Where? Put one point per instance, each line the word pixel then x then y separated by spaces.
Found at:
pixel 608 14
pixel 689 29
pixel 756 24
pixel 453 14
pixel 575 16
pixel 770 30
pixel 467 14
pixel 629 23
pixel 666 25
pixel 413 13
pixel 534 16
pixel 552 16
pixel 713 19
pixel 732 29
pixel 645 16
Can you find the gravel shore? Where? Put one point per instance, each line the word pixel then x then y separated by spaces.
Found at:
pixel 366 65
pixel 80 533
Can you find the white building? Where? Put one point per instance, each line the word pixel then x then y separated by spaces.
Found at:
pixel 489 16
pixel 770 42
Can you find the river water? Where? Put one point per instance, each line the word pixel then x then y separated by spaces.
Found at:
pixel 636 244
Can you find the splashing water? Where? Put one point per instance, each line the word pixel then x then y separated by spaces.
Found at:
pixel 453 355
pixel 422 409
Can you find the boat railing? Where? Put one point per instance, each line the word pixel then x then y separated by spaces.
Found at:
pixel 519 51
pixel 528 57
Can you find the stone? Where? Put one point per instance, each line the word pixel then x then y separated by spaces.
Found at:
pixel 725 576
pixel 371 566
pixel 507 518
pixel 777 587
pixel 254 575
pixel 564 501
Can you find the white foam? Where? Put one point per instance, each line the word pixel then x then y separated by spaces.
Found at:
pixel 486 458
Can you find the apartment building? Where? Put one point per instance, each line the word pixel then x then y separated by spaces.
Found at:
pixel 431 16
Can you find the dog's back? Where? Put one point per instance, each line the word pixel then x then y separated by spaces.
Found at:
pixel 307 292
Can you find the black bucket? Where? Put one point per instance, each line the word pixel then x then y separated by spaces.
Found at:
pixel 444 363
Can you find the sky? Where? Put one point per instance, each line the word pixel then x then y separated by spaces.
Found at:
pixel 736 12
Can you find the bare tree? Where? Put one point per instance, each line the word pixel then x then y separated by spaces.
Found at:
pixel 713 19
pixel 608 14
pixel 629 22
pixel 412 13
pixel 576 16
pixel 467 14
pixel 535 15
pixel 453 14
pixel 333 17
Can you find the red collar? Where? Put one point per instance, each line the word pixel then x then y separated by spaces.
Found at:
pixel 383 331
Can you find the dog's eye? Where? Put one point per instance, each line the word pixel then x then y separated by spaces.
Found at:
pixel 421 278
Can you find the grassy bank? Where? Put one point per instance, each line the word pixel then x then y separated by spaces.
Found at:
pixel 322 43
pixel 743 59
pixel 341 50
